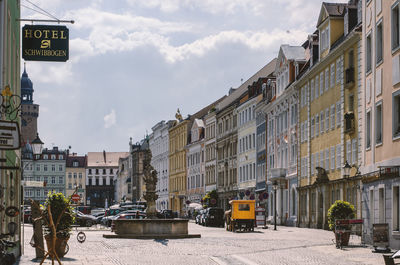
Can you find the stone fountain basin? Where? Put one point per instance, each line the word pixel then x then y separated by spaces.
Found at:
pixel 151 229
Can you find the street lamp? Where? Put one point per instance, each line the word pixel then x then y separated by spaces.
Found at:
pixel 346 169
pixel 37 145
pixel 275 187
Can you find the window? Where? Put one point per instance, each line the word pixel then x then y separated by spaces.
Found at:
pixel 104 171
pixel 316 125
pixel 53 157
pixel 53 168
pixel 326 79
pixel 316 87
pixel 38 193
pixel 75 175
pixel 37 167
pixel 69 185
pixel 354 151
pixel 69 175
pixel 53 180
pixel 396 207
pixel 348 152
pixel 60 168
pixel 378 123
pixel 327 157
pixel 379 42
pixel 332 157
pixel 322 122
pixel 90 171
pixel 338 157
pixel 312 90
pixel 75 164
pixel 382 205
pixel 368 53
pixel 371 207
pixel 333 116
pixel 327 119
pixel 44 167
pixel 60 180
pixel 60 157
pixel 111 171
pixel 45 157
pixel 395 27
pixel 321 83
pixel 368 132
pixel 312 127
pixel 351 103
pixel 338 114
pixel 396 114
pixel 312 164
pixel 332 75
pixel 337 71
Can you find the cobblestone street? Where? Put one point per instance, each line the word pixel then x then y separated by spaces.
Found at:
pixel 288 245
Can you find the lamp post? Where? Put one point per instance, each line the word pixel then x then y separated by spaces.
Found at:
pixel 37 146
pixel 275 187
pixel 346 169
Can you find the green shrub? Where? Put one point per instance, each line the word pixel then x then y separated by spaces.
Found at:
pixel 59 205
pixel 340 210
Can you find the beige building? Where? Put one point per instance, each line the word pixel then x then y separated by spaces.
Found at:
pixel 380 117
pixel 75 176
pixel 328 136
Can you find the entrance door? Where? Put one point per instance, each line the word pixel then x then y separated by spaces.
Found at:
pixel 320 210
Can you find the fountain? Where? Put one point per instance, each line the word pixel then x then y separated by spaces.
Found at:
pixel 151 227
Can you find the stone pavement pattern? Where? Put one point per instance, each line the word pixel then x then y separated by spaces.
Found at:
pixel 288 245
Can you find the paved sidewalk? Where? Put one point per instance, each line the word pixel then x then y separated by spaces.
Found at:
pixel 288 245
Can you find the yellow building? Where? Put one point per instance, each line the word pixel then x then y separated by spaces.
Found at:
pixel 328 95
pixel 177 165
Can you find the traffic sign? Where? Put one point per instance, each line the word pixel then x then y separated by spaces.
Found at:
pixel 75 197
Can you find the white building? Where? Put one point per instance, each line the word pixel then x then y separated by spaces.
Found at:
pixel 195 162
pixel 246 148
pixel 160 149
pixel 211 152
pixel 281 128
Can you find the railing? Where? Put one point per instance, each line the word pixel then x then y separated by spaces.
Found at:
pixel 389 171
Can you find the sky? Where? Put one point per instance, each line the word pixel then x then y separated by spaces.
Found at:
pixel 134 62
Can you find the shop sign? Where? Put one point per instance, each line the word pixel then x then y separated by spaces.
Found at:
pixel 45 43
pixel 9 135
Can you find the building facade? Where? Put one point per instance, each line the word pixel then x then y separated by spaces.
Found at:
pixel 195 162
pixel 379 117
pixel 123 187
pixel 210 151
pixel 75 176
pixel 159 146
pixel 10 180
pixel 328 135
pixel 178 134
pixel 49 168
pixel 101 176
pixel 281 124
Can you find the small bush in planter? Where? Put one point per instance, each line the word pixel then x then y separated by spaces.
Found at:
pixel 59 205
pixel 340 210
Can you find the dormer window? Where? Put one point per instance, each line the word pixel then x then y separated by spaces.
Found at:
pixel 75 164
pixel 324 39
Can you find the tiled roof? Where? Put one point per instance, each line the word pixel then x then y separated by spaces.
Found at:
pixel 74 158
pixel 96 159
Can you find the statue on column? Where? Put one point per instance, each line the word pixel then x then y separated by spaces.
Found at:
pixel 150 180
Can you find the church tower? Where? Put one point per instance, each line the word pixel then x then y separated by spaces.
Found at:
pixel 29 111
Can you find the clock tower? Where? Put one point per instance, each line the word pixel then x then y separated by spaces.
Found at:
pixel 29 110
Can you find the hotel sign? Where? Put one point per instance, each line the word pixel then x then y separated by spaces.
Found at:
pixel 45 43
pixel 9 135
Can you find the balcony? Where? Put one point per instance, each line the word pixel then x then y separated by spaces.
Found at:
pixel 349 77
pixel 349 124
pixel 389 171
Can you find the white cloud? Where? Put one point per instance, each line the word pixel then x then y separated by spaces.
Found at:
pixel 110 119
pixel 208 6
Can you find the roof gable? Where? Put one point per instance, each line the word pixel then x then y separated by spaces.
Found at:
pixel 330 10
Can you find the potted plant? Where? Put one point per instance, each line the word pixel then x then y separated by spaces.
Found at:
pixel 61 218
pixel 338 211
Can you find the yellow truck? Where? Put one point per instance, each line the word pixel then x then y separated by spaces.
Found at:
pixel 241 216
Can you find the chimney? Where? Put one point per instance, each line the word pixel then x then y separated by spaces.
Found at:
pixel 105 157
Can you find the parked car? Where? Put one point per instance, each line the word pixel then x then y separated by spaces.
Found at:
pixel 106 220
pixel 214 217
pixel 84 219
pixel 127 216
